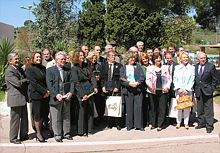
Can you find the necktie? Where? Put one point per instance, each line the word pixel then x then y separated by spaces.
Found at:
pixel 200 70
pixel 169 68
pixel 61 74
pixel 110 72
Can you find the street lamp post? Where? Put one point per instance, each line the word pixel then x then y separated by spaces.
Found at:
pixel 29 8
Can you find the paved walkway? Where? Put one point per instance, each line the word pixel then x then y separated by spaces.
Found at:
pixel 112 140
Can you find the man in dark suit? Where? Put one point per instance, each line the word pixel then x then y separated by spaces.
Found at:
pixel 17 99
pixel 110 75
pixel 205 83
pixel 61 90
pixel 171 68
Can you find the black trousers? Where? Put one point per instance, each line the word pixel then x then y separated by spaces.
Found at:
pixel 85 116
pixel 205 111
pixel 158 106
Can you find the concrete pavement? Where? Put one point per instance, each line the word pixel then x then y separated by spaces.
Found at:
pixel 168 140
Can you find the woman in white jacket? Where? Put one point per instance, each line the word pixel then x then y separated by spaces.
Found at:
pixel 183 80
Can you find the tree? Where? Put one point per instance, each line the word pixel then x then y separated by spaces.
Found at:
pixel 178 29
pixel 91 23
pixel 6 46
pixel 127 23
pixel 55 24
pixel 207 13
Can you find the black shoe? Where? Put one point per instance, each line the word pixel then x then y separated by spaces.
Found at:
pixel 152 128
pixel 118 128
pixel 40 140
pixel 24 138
pixel 200 127
pixel 15 141
pixel 58 140
pixel 209 130
pixel 159 129
pixel 68 137
pixel 141 129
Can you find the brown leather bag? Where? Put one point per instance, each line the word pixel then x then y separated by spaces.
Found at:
pixel 184 102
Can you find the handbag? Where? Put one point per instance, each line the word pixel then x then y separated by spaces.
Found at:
pixel 184 102
pixel 113 106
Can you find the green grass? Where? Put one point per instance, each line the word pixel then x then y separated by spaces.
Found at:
pixel 2 95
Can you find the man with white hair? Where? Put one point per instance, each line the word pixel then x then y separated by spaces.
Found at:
pixel 60 85
pixel 140 46
pixel 206 80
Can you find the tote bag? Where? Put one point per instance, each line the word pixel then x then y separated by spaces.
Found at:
pixel 113 106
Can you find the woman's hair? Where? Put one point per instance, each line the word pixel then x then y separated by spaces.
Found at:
pixel 27 61
pixel 75 57
pixel 33 54
pixel 181 55
pixel 129 55
pixel 144 56
pixel 155 56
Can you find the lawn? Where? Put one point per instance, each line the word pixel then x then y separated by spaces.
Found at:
pixel 2 95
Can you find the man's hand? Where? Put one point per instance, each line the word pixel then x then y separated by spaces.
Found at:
pixel 115 90
pixel 47 94
pixel 104 90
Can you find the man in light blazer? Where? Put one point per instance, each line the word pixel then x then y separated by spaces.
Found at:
pixel 205 83
pixel 61 90
pixel 17 99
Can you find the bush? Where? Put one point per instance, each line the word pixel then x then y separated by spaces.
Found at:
pixel 6 46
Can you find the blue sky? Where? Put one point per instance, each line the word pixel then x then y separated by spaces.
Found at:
pixel 11 13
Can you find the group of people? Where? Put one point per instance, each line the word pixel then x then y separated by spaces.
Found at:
pixel 71 89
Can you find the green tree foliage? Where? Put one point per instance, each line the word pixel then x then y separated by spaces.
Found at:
pixel 55 24
pixel 127 23
pixel 91 23
pixel 6 46
pixel 207 13
pixel 178 29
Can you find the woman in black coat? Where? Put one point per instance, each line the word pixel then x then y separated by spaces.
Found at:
pixel 85 84
pixel 38 92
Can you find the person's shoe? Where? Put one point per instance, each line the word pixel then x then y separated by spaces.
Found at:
pixel 159 129
pixel 58 140
pixel 15 141
pixel 118 128
pixel 178 126
pixel 209 130
pixel 187 127
pixel 24 138
pixel 152 127
pixel 68 137
pixel 40 140
pixel 142 129
pixel 200 127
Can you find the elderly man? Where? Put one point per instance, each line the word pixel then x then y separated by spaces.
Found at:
pixel 61 90
pixel 17 99
pixel 140 46
pixel 205 83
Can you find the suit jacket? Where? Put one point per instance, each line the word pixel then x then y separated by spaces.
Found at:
pixel 54 82
pixel 104 68
pixel 151 78
pixel 139 77
pixel 207 82
pixel 189 75
pixel 16 86
pixel 36 74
